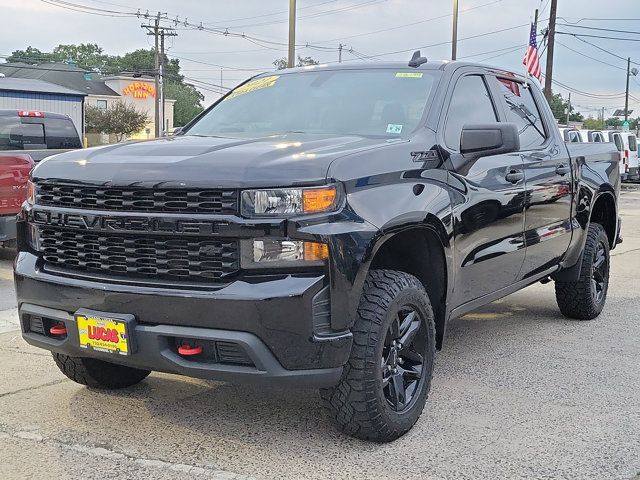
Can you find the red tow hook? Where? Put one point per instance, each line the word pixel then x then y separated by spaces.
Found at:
pixel 188 351
pixel 58 329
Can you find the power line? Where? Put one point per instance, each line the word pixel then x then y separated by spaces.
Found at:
pixel 599 36
pixel 314 15
pixel 397 27
pixel 592 19
pixel 448 42
pixel 599 29
pixel 592 58
pixel 578 37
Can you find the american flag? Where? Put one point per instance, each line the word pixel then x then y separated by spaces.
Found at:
pixel 532 57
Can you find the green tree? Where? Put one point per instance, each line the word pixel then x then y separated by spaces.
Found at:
pixel 88 56
pixel 559 108
pixel 120 119
pixel 614 122
pixel 91 56
pixel 281 63
pixel 591 123
pixel 188 102
pixel 30 55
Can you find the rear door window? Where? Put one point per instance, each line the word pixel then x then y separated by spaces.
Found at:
pixel 32 136
pixel 10 133
pixel 61 133
pixel 633 143
pixel 523 111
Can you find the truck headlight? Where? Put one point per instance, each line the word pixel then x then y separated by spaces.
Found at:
pixel 288 201
pixel 31 192
pixel 269 253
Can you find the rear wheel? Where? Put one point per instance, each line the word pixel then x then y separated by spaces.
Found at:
pixel 98 373
pixel 385 384
pixel 584 299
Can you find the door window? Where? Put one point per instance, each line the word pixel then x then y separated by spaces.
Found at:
pixel 61 133
pixel 574 137
pixel 618 141
pixel 10 133
pixel 523 111
pixel 32 135
pixel 633 143
pixel 470 104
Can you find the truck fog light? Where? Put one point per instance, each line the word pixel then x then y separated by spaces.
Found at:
pixel 33 237
pixel 268 253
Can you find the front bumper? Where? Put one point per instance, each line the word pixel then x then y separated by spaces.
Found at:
pixel 279 322
pixel 7 228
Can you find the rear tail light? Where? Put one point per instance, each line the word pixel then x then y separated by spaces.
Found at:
pixel 30 113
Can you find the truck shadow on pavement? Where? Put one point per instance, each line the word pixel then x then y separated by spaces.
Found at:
pixel 196 411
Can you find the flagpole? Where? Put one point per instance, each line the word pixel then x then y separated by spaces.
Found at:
pixel 526 64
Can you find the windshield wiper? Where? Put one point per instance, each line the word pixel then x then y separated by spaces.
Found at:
pixel 524 113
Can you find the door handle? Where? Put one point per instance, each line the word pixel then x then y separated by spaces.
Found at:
pixel 514 176
pixel 562 169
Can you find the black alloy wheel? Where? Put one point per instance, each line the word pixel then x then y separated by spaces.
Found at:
pixel 599 272
pixel 402 358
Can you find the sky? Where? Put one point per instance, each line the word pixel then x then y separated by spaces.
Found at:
pixel 490 31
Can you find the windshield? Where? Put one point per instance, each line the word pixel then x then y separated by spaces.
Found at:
pixel 382 102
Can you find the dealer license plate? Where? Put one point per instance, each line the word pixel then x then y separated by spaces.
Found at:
pixel 103 334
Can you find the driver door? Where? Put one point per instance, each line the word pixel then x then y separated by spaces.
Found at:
pixel 487 198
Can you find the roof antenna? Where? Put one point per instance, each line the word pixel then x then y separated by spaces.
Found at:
pixel 417 59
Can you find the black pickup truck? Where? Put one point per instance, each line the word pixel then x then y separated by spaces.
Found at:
pixel 315 227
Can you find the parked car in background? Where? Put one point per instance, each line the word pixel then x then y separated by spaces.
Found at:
pixel 571 135
pixel 14 174
pixel 627 145
pixel 42 134
pixel 593 136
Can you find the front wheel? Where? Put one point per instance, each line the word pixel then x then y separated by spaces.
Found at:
pixel 386 381
pixel 584 299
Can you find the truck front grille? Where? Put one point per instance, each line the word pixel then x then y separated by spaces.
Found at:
pixel 134 199
pixel 170 258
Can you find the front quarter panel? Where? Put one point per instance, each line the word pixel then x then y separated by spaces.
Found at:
pixel 386 191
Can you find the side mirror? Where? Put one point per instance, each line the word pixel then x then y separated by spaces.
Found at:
pixel 489 139
pixel 176 131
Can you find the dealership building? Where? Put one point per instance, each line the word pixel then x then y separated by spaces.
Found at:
pixel 80 86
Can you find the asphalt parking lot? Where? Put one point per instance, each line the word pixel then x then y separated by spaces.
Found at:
pixel 518 392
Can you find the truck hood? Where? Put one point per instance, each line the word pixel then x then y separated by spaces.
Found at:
pixel 281 160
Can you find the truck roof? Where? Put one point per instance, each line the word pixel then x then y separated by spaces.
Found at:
pixel 429 65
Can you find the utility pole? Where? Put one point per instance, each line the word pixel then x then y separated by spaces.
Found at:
pixel 156 118
pixel 454 39
pixel 551 39
pixel 603 125
pixel 291 59
pixel 159 33
pixel 626 96
pixel 568 108
pixel 340 46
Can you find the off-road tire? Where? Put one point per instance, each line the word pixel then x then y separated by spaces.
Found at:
pixel 576 299
pixel 357 403
pixel 97 373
